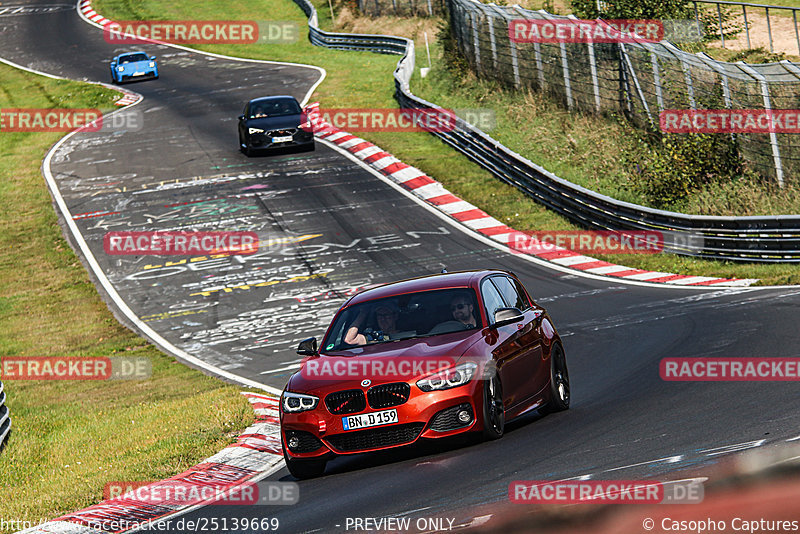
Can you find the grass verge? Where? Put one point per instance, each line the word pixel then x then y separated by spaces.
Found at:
pixel 583 149
pixel 70 438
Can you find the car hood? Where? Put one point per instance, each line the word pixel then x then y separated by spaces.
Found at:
pixel 274 123
pixel 442 349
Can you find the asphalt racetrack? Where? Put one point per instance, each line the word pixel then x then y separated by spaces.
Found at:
pixel 336 227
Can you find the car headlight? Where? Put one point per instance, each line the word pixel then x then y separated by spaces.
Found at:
pixel 120 69
pixel 297 402
pixel 152 64
pixel 255 130
pixel 449 378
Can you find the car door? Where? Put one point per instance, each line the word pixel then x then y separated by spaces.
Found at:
pixel 528 367
pixel 508 351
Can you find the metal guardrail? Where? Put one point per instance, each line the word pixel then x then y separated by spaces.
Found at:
pixel 757 238
pixel 5 417
pixel 744 5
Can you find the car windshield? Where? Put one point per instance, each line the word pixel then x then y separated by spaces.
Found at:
pixel 408 316
pixel 133 58
pixel 274 108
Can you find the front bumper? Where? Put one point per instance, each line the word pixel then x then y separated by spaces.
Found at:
pixel 129 76
pixel 267 140
pixel 424 415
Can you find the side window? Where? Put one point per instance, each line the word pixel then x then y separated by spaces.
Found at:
pixel 491 298
pixel 510 293
pixel 523 294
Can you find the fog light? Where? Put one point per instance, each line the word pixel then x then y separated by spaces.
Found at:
pixel 464 416
pixel 294 442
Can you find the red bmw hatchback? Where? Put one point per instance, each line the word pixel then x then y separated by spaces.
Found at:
pixel 422 358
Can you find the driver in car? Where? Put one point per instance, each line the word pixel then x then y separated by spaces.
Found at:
pixel 462 311
pixel 386 316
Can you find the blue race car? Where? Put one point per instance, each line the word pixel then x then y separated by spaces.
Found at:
pixel 133 66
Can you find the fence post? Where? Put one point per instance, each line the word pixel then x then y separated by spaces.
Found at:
pixel 595 82
pixel 475 41
pixel 492 40
pixel 726 91
pixel 592 69
pixel 687 76
pixel 513 46
pixel 769 30
pixel 746 27
pixel 796 33
pixel 629 64
pixel 773 137
pixel 657 81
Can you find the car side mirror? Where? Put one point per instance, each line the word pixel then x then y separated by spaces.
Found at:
pixel 307 347
pixel 241 117
pixel 505 316
pixel 153 58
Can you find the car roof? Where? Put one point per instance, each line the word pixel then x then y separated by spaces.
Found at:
pixel 270 98
pixel 132 53
pixel 424 283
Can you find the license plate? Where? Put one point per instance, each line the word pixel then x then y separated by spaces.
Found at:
pixel 285 139
pixel 138 73
pixel 364 420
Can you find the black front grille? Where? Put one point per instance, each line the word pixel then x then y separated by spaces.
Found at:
pixel 376 437
pixel 447 419
pixel 344 402
pixel 386 395
pixel 282 133
pixel 308 441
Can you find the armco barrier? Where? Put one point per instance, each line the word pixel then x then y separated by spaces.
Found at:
pixel 5 416
pixel 756 238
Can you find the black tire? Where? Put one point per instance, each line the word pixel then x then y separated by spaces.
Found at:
pixel 559 381
pixel 302 469
pixel 494 417
pixel 243 147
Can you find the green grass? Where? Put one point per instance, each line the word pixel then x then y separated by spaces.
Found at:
pixel 567 144
pixel 70 438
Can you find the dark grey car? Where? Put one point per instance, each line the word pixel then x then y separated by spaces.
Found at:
pixel 274 122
